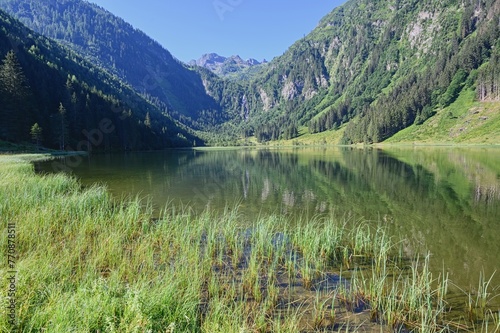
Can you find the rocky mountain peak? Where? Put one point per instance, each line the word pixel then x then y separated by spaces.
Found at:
pixel 221 65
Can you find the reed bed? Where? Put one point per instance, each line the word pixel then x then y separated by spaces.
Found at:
pixel 88 263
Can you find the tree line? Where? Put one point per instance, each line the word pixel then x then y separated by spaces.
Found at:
pixel 72 102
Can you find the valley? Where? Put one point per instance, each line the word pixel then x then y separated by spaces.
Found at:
pixel 367 72
pixel 349 184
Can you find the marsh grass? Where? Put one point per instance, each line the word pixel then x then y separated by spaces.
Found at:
pixel 477 309
pixel 88 263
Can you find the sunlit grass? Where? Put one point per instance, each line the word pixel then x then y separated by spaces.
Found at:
pixel 463 122
pixel 88 263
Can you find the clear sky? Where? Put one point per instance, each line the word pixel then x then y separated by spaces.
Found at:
pixel 260 29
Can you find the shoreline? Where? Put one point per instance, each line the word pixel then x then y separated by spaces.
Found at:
pixel 29 149
pixel 206 268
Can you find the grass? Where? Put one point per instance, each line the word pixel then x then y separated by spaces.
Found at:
pixel 12 147
pixel 87 263
pixel 465 121
pixel 331 137
pixel 23 148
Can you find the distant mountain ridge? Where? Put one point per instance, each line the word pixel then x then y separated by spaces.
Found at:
pixel 116 46
pixel 367 71
pixel 226 66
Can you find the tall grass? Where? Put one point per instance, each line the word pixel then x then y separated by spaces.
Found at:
pixel 88 263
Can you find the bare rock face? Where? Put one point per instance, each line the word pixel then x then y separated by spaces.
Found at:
pixel 222 66
pixel 210 60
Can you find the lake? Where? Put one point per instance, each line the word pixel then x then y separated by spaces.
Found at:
pixel 441 200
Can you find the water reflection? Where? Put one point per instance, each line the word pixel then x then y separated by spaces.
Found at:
pixel 446 201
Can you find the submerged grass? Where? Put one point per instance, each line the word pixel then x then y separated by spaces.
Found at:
pixel 87 263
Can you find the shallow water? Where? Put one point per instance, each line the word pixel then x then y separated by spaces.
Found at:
pixel 445 201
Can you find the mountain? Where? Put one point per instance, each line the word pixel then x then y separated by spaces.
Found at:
pixel 117 47
pixel 210 61
pixel 373 68
pixel 369 70
pixel 232 67
pixel 74 104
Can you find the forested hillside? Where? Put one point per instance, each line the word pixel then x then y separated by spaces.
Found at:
pixel 73 104
pixel 372 69
pixel 454 49
pixel 122 50
pixel 378 67
pixel 369 70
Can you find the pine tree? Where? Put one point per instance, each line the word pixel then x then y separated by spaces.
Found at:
pixel 63 126
pixel 14 91
pixel 147 121
pixel 36 134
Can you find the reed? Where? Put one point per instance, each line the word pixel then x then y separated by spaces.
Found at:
pixel 87 262
pixel 477 307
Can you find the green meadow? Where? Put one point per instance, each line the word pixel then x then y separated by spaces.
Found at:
pixel 85 262
pixel 464 122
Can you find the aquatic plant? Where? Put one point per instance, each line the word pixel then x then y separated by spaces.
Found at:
pixel 88 262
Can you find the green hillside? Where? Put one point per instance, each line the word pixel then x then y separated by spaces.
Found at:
pixel 368 71
pixel 466 121
pixel 380 67
pixel 74 104
pixel 122 50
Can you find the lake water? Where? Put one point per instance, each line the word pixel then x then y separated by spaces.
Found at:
pixel 445 201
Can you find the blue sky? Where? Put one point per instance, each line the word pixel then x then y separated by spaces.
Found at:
pixel 250 28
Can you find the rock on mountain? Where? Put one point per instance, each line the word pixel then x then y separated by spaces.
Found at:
pixel 225 66
pixel 374 68
pixel 122 50
pixel 370 68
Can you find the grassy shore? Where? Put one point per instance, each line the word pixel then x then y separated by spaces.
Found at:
pixel 87 263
